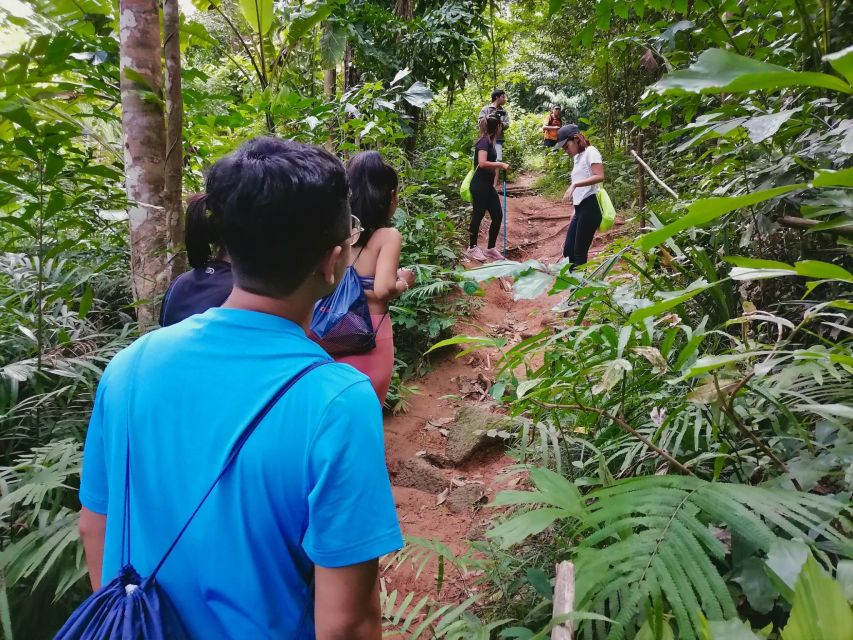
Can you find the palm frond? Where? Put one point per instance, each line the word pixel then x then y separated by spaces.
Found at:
pixel 648 539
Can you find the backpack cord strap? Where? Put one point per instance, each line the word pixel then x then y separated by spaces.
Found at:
pixel 235 451
pixel 357 256
pixel 125 522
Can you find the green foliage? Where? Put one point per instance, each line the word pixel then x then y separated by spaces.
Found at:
pixel 648 538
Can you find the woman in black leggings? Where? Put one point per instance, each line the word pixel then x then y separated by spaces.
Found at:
pixel 587 176
pixel 483 193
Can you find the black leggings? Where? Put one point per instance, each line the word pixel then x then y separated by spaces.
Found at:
pixel 485 198
pixel 582 230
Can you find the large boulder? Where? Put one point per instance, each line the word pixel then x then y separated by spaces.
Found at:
pixel 469 432
pixel 417 473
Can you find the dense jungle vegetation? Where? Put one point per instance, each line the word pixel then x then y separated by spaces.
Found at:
pixel 687 428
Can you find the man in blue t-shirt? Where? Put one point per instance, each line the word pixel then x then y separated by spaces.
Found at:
pixel 286 546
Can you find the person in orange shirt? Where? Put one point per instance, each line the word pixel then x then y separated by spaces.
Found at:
pixel 552 124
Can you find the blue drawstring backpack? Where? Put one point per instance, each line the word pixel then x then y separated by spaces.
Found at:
pixel 341 323
pixel 133 608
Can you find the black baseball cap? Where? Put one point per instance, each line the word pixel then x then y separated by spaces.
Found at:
pixel 565 133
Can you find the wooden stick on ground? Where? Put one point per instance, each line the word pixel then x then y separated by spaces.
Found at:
pixel 564 600
pixel 794 222
pixel 653 174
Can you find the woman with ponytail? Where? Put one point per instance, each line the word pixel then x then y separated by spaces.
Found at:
pixel 210 281
pixel 376 258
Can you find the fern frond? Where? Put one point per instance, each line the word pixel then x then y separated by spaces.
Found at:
pixel 647 539
pixel 436 620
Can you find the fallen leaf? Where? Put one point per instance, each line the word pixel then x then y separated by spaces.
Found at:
pixel 441 497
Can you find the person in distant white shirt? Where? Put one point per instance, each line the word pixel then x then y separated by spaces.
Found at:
pixel 495 109
pixel 587 176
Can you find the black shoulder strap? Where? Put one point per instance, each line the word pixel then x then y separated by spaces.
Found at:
pixel 238 446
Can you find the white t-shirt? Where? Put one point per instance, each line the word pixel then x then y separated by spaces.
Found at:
pixel 582 170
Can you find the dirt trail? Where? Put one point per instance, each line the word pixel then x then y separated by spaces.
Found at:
pixel 536 229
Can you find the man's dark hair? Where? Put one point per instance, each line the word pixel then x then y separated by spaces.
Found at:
pixel 279 206
pixel 372 185
pixel 497 93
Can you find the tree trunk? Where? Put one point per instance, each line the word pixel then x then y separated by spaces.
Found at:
pixel 404 9
pixel 330 82
pixel 173 195
pixel 350 73
pixel 144 137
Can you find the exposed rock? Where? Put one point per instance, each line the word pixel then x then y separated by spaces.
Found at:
pixel 463 499
pixel 469 433
pixel 417 473
pixel 438 459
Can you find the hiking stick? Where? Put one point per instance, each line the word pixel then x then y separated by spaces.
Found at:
pixel 505 216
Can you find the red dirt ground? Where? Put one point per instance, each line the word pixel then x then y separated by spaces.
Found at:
pixel 536 229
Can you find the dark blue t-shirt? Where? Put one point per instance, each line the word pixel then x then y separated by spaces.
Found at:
pixel 196 291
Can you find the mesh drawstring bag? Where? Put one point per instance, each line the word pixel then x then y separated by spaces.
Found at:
pixel 341 323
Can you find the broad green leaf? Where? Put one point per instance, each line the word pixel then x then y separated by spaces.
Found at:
pixel 303 23
pixel 755 263
pixel 537 579
pixel 333 42
pixel 475 340
pixel 829 178
pixel 703 211
pixel 258 13
pixel 747 273
pixel 647 632
pixel 195 33
pixel 819 610
pixel 418 95
pixel 842 62
pixel 718 70
pixel 638 315
pixel 844 575
pixel 614 370
pixel 785 559
pixel 756 585
pixel 532 284
pixel 544 633
pixel 822 270
pixel 557 490
pixel 402 73
pixel 502 268
pixel 831 409
pixel 526 385
pixel 710 363
pixel 730 630
pixel 85 302
pixel 205 5
pixel 519 527
pixel 762 127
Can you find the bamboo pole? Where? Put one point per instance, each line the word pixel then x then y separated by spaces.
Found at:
pixel 564 600
pixel 653 174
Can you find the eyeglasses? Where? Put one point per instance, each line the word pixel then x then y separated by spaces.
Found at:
pixel 355 230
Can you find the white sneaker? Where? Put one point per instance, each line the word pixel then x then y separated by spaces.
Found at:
pixel 493 254
pixel 475 253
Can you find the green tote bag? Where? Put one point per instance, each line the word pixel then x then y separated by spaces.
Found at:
pixel 465 187
pixel 608 211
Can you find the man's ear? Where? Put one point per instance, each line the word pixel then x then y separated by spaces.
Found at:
pixel 328 266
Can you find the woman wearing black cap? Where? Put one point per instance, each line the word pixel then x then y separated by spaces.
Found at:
pixel 587 176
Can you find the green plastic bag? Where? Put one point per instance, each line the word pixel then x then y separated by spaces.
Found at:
pixel 608 211
pixel 465 188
